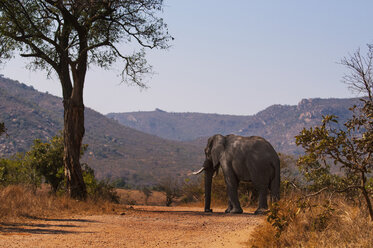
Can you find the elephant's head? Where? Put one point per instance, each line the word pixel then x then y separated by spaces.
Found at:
pixel 213 152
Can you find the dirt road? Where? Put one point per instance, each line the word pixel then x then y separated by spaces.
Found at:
pixel 144 226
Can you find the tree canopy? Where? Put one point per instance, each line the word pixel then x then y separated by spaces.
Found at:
pixel 58 34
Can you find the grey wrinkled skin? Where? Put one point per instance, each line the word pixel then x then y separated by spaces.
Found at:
pixel 249 159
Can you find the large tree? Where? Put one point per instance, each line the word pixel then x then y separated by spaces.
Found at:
pixel 65 36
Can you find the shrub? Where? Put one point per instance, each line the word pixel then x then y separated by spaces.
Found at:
pixel 314 222
pixel 98 189
pixel 46 158
pixel 147 192
pixel 192 191
pixel 44 161
pixel 16 170
pixel 171 189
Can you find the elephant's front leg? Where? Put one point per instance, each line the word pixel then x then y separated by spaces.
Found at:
pixel 232 191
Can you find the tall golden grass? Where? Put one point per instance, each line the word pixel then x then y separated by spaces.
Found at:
pixel 316 222
pixel 18 201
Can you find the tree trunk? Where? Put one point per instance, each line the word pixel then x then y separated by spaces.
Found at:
pixel 73 136
pixel 366 195
pixel 369 204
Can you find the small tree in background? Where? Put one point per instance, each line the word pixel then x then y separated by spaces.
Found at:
pixel 65 36
pixel 171 188
pixel 147 192
pixel 350 147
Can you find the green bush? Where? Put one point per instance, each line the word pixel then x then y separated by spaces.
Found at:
pixel 47 159
pixel 98 189
pixel 44 163
pixel 16 170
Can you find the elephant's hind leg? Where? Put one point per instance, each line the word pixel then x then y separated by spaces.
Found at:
pixel 263 206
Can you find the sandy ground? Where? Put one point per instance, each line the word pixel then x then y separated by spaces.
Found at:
pixel 143 226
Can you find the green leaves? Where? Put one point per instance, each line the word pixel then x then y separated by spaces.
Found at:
pixel 47 159
pixel 76 33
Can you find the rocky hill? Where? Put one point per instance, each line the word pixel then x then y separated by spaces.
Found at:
pixel 277 123
pixel 115 151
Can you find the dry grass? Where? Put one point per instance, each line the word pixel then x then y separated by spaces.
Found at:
pixel 317 226
pixel 136 197
pixel 17 202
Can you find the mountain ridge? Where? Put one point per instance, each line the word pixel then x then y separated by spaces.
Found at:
pixel 277 123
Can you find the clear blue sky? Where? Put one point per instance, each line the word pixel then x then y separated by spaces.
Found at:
pixel 234 57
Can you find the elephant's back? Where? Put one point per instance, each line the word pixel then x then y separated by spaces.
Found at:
pixel 251 144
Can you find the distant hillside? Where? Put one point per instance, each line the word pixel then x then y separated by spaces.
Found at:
pixel 278 123
pixel 114 150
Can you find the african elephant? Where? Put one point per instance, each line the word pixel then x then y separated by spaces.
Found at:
pixel 250 159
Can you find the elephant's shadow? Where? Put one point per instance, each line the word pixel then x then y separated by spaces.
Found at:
pixel 198 213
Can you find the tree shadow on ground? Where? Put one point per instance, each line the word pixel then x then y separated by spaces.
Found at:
pixel 62 220
pixel 41 228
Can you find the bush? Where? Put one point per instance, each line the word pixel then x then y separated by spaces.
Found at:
pixel 98 189
pixel 147 192
pixel 171 189
pixel 314 222
pixel 192 191
pixel 16 170
pixel 44 161
pixel 47 160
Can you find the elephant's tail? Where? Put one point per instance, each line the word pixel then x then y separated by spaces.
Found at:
pixel 275 183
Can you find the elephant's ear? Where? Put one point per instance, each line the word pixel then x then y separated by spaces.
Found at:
pixel 217 149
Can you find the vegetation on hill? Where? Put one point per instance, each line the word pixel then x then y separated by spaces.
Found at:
pixel 114 151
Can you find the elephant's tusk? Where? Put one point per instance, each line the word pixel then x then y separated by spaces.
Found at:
pixel 216 172
pixel 198 172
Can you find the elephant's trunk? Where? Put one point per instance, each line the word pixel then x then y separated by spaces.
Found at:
pixel 208 182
